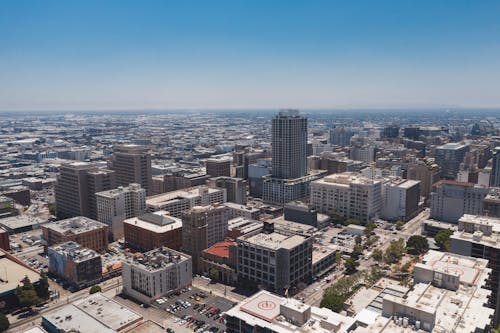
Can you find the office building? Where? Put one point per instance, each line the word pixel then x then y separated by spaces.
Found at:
pixel 240 226
pixel 82 230
pixel 4 240
pixel 289 142
pixel 152 230
pixel 274 261
pixel 280 191
pixel 202 227
pixel 79 266
pixel 236 210
pixel 236 188
pixel 353 196
pixel 341 136
pixel 400 199
pixel 448 295
pixel 6 207
pixel 76 186
pixel 256 172
pixel 218 167
pixel 479 237
pixel 178 180
pixel 426 172
pixel 491 202
pixel 114 206
pixel 451 199
pixel 449 157
pixel 297 211
pixel 155 274
pixel 178 201
pixel 495 168
pixel 267 312
pixel 132 164
pixel 391 132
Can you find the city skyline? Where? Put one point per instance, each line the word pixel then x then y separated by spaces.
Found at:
pixel 235 55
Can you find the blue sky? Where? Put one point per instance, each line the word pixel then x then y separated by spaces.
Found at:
pixel 114 54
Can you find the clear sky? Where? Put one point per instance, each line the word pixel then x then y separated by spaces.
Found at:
pixel 113 54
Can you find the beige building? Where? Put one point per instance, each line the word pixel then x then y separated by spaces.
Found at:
pixel 217 167
pixel 348 194
pixel 176 202
pixel 202 227
pixel 114 206
pixel 156 274
pixel 132 164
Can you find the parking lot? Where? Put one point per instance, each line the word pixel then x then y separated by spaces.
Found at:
pixel 197 310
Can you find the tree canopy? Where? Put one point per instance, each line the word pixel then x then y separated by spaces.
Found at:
pixel 351 265
pixel 442 239
pixel 4 323
pixel 26 294
pixel 395 251
pixel 95 289
pixel 417 244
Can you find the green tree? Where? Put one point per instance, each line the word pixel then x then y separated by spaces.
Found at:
pixel 442 239
pixel 417 245
pixel 358 239
pixel 352 221
pixel 357 251
pixel 333 302
pixel 42 289
pixel 337 218
pixel 377 255
pixel 214 274
pixel 4 323
pixel 395 251
pixel 351 265
pixel 369 227
pixel 52 208
pixel 338 257
pixel 95 289
pixel 399 225
pixel 26 294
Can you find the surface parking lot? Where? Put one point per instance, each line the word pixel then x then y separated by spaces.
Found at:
pixel 197 310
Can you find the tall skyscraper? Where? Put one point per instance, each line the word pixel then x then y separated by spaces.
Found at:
pixel 449 157
pixel 76 186
pixel 289 141
pixel 495 168
pixel 132 164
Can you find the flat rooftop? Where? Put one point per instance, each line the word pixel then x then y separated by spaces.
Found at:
pixel 192 192
pixel 346 179
pixel 112 314
pixel 158 222
pixel 70 318
pixel 275 240
pixel 233 205
pixel 12 273
pixel 75 225
pixel 75 251
pixel 157 259
pixel 133 187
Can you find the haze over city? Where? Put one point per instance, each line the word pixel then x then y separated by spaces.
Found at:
pixel 249 166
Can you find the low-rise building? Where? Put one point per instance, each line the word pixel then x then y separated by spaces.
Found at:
pixel 240 226
pixel 79 266
pixel 237 210
pixel 219 262
pixel 177 202
pixel 267 312
pixel 156 273
pixel 86 232
pixel 153 230
pixel 274 261
pixel 236 188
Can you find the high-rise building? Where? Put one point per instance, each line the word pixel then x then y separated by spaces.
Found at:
pixel 495 168
pixel 132 164
pixel 178 180
pixel 479 237
pixel 353 196
pixel 256 172
pixel 217 167
pixel 289 143
pixel 98 180
pixel 449 157
pixel 202 227
pixel 451 199
pixel 341 136
pixel 76 186
pixel 391 131
pixel 114 206
pixel 153 230
pixel 400 199
pixel 426 173
pixel 275 261
pixel 155 274
pixel 236 188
